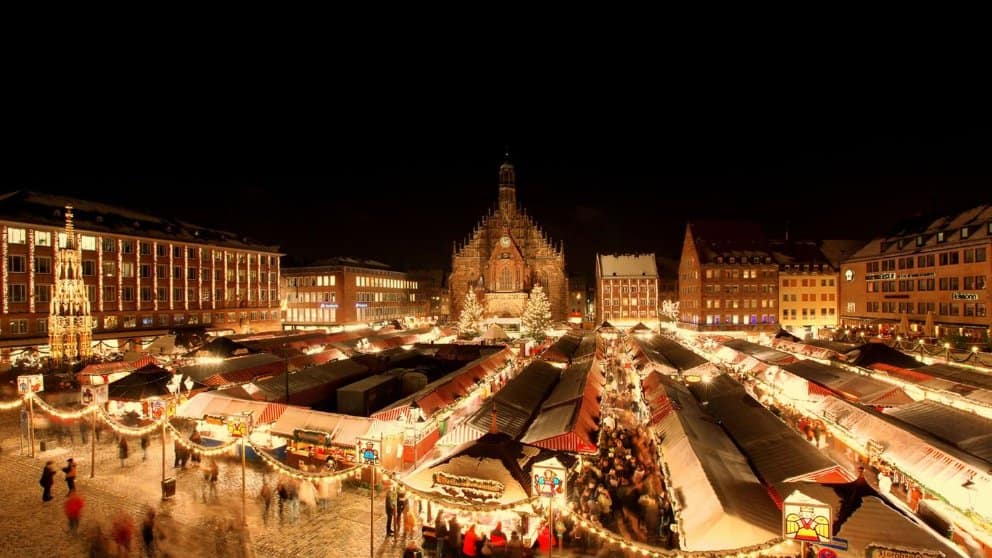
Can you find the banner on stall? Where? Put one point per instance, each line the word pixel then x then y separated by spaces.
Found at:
pixel 31 383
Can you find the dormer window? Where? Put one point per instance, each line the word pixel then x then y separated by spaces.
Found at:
pixel 730 260
pixel 919 240
pixel 941 237
pixel 964 232
pixel 719 259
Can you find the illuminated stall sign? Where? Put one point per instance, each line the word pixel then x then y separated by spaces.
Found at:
pixel 89 395
pixel 879 551
pixel 32 383
pixel 549 478
pixel 368 450
pixel 312 436
pixel 806 519
pixel 458 481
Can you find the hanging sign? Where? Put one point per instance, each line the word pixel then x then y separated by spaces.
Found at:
pixel 369 450
pixel 879 551
pixel 549 478
pixel 806 519
pixel 32 383
pixel 89 395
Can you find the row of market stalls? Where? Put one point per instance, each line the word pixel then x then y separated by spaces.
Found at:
pixel 658 353
pixel 572 347
pixel 806 380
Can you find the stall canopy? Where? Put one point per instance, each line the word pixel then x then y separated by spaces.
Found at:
pixel 805 349
pixel 723 505
pixel 445 390
pixel 495 333
pixel 314 386
pixel 569 417
pixel 222 347
pixel 877 353
pixel 935 464
pixel 760 352
pixel 874 522
pixel 495 469
pixel 779 454
pixel 235 370
pixel 147 382
pixel 164 345
pixel 572 346
pixel 966 431
pixel 670 354
pixel 216 403
pixel 518 401
pixel 849 385
pixel 342 429
pixel 932 383
pixel 106 372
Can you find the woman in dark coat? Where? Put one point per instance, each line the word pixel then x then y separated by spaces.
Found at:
pixel 47 480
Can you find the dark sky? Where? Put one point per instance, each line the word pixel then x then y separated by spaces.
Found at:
pixel 626 180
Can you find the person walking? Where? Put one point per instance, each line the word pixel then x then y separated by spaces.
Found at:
pixel 401 504
pixel 73 510
pixel 148 532
pixel 391 502
pixel 145 442
pixel 70 475
pixel 84 431
pixel 515 546
pixel 122 451
pixel 47 480
pixel 265 494
pixel 440 534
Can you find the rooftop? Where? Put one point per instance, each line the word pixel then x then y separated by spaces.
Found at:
pixel 626 265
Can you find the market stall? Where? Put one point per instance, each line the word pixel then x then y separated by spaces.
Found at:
pixel 143 395
pixel 217 418
pixel 317 440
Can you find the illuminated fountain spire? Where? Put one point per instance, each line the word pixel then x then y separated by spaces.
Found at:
pixel 70 326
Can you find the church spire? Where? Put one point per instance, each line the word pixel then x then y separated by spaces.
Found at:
pixel 507 187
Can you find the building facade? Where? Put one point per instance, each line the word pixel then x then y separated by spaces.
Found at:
pixel 143 275
pixel 928 267
pixel 504 257
pixel 342 291
pixel 808 287
pixel 627 289
pixel 728 278
pixel 431 286
pixel 577 299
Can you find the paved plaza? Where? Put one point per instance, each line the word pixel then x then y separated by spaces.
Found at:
pixel 31 528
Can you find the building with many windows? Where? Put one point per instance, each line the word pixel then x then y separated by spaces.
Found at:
pixel 627 289
pixel 808 287
pixel 926 266
pixel 728 278
pixel 341 291
pixel 144 275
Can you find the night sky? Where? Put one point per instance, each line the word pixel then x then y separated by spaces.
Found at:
pixel 624 182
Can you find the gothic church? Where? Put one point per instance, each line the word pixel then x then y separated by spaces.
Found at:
pixel 505 256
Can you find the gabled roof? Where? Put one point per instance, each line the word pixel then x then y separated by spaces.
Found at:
pixel 626 265
pixel 742 240
pixel 25 206
pixel 921 232
pixel 794 252
pixel 147 382
pixel 519 400
pixel 847 384
pixel 967 431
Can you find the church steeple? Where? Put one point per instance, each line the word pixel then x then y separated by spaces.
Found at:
pixel 507 187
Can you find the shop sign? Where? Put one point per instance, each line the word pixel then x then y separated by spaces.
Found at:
pixel 328 305
pixel 361 305
pixel 457 481
pixel 805 519
pixel 549 478
pixel 239 426
pixel 918 275
pixel 369 450
pixel 879 551
pixel 880 276
pixel 964 296
pixel 31 383
pixel 88 395
pixel 312 437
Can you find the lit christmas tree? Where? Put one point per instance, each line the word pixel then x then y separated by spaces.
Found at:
pixel 471 319
pixel 537 314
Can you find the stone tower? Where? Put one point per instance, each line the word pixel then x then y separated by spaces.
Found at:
pixel 70 325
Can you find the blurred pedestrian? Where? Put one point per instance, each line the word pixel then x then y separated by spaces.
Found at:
pixel 122 531
pixel 412 550
pixel 145 442
pixel 148 532
pixel 47 480
pixel 73 509
pixel 70 474
pixel 122 450
pixel 265 494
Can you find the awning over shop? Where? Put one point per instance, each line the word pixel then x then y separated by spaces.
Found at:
pixel 811 351
pixel 966 431
pixel 106 372
pixel 876 523
pixel 216 403
pixel 234 370
pixel 568 417
pixel 519 400
pixel 723 505
pixel 779 454
pixel 343 429
pixel 760 352
pixel 849 385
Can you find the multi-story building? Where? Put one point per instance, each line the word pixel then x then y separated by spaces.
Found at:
pixel 808 287
pixel 728 278
pixel 627 289
pixel 341 291
pixel 668 279
pixel 577 304
pixel 144 275
pixel 936 266
pixel 432 287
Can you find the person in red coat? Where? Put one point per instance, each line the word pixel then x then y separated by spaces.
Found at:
pixel 468 542
pixel 545 540
pixel 73 509
pixel 497 540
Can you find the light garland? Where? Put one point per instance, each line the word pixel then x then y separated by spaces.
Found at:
pixel 129 430
pixel 208 451
pixel 10 405
pixel 74 415
pixel 298 474
pixel 776 546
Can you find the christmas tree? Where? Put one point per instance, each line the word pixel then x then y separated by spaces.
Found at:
pixel 537 314
pixel 471 319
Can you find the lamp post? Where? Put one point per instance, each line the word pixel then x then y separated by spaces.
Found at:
pixel 245 429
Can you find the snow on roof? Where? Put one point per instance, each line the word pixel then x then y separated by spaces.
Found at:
pixel 627 265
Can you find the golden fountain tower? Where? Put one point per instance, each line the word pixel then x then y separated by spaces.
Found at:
pixel 70 325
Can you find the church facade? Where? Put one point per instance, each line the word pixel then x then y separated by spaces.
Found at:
pixel 504 257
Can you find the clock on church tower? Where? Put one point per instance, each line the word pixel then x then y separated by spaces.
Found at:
pixel 504 241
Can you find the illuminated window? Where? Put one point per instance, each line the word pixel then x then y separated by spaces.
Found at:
pixel 110 322
pixel 42 238
pixel 42 293
pixel 17 236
